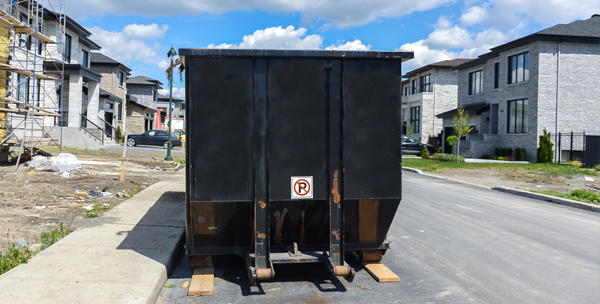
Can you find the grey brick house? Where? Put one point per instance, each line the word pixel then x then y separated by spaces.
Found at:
pixel 113 90
pixel 428 91
pixel 142 103
pixel 549 79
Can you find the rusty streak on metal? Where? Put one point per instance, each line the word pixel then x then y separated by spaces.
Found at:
pixel 262 236
pixel 337 235
pixel 262 204
pixel 335 191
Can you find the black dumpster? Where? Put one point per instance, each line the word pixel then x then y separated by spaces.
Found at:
pixel 292 156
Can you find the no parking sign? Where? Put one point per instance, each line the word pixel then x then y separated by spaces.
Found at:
pixel 302 187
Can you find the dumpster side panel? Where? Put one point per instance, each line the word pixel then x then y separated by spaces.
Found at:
pixel 220 137
pixel 372 134
pixel 297 125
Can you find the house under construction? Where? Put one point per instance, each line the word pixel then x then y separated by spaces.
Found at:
pixel 32 35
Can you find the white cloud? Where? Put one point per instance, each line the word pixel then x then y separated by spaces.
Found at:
pixel 276 38
pixel 449 41
pixel 339 13
pixel 145 32
pixel 507 14
pixel 355 45
pixel 133 43
pixel 177 92
pixel 289 39
pixel 163 65
pixel 424 55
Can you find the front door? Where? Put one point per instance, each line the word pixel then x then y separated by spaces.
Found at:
pixel 494 119
pixel 108 118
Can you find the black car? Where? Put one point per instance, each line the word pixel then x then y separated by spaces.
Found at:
pixel 413 146
pixel 153 138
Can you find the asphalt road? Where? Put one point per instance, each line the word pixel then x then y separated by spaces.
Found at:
pixel 452 243
pixel 143 150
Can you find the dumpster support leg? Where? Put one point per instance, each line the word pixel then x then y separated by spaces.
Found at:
pixel 336 199
pixel 262 264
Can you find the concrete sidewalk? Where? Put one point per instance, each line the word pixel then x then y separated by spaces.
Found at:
pixel 120 257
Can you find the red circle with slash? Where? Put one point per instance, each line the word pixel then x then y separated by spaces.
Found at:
pixel 297 183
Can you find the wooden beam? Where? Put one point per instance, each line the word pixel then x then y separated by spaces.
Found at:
pixel 380 272
pixel 202 282
pixel 29 106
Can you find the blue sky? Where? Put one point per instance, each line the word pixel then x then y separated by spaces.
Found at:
pixel 139 33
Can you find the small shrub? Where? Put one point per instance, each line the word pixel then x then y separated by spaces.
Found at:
pixel 118 134
pixel 587 196
pixel 544 151
pixel 439 150
pixel 597 167
pixel 447 157
pixel 485 156
pixel 425 153
pixel 523 154
pixel 503 151
pixel 510 158
pixel 498 158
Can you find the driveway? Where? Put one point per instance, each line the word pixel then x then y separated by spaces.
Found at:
pixel 452 243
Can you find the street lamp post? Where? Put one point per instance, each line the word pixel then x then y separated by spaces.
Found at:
pixel 171 54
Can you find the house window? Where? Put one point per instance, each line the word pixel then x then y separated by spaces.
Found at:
pixel 518 68
pixel 153 95
pixel 120 111
pixel 517 116
pixel 496 74
pixel 121 78
pixel 414 86
pixel 405 91
pixel 22 88
pixel 108 106
pixel 426 83
pixel 38 91
pixel 183 106
pixel 415 117
pixel 67 50
pixel 85 59
pixel 475 82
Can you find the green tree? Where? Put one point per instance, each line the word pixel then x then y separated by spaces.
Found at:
pixel 452 140
pixel 544 151
pixel 410 130
pixel 461 119
pixel 118 134
pixel 425 153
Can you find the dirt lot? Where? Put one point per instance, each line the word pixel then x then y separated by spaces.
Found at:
pixel 520 178
pixel 33 202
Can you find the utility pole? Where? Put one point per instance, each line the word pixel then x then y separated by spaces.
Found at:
pixel 171 54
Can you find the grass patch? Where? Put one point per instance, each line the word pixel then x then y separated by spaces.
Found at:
pixel 96 210
pixel 585 196
pixel 49 238
pixel 532 168
pixel 17 255
pixel 12 258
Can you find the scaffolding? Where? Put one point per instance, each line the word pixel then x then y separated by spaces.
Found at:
pixel 31 38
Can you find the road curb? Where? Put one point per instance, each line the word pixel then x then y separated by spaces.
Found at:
pixel 538 196
pixel 549 198
pixel 443 177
